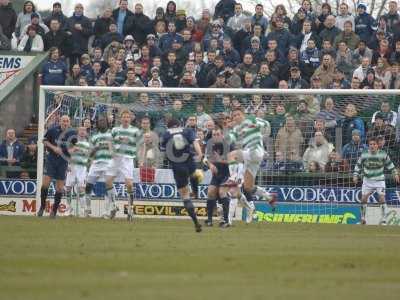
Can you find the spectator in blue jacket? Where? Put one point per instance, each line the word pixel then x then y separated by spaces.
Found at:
pixel 121 16
pixel 350 122
pixel 11 150
pixel 259 18
pixel 364 23
pixel 230 55
pixel 352 150
pixel 54 71
pixel 309 60
pixel 167 39
pixel 281 35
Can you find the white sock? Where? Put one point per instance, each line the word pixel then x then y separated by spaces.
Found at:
pixel 232 209
pixel 383 210
pixel 107 205
pixel 88 202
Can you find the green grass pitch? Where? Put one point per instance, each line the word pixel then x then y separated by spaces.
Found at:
pixel 165 259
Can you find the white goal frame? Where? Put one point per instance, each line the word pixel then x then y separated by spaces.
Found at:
pixel 278 92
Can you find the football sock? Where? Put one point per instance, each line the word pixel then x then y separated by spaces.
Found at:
pixel 88 188
pixel 82 200
pixel 225 208
pixel 383 210
pixel 57 201
pixel 43 197
pixel 363 210
pixel 194 184
pixel 248 195
pixel 211 204
pixel 190 209
pixel 69 197
pixel 232 209
pixel 244 202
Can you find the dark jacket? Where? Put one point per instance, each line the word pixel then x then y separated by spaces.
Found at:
pixel 225 9
pixel 283 37
pixel 170 74
pixel 348 125
pixel 80 38
pixel 364 24
pixel 18 151
pixel 329 34
pixel 352 151
pixel 60 39
pixel 309 62
pixel 129 14
pixel 5 43
pixel 60 17
pixel 298 40
pixel 139 25
pixel 54 72
pixel 101 27
pixel 111 37
pixel 266 81
pixel 8 19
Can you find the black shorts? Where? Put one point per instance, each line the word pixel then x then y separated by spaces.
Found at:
pixel 182 172
pixel 218 179
pixel 56 169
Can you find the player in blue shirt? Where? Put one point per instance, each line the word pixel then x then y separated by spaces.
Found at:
pixel 57 141
pixel 216 159
pixel 177 143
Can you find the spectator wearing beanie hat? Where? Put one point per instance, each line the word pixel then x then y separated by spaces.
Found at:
pixel 41 28
pixel 57 14
pixel 364 23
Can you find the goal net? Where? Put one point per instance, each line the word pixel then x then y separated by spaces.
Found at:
pixel 312 141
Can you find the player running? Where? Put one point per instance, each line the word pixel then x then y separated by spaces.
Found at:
pixel 177 143
pixel 124 140
pixel 101 154
pixel 217 161
pixel 77 172
pixel 247 133
pixel 57 140
pixel 370 166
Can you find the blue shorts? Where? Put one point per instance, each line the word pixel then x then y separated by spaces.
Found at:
pixel 56 169
pixel 219 178
pixel 182 172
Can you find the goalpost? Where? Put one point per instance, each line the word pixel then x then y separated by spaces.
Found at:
pixel 306 190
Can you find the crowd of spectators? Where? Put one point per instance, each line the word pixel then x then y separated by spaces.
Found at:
pixel 228 49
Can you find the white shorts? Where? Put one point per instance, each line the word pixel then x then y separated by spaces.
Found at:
pixel 97 170
pixel 76 175
pixel 371 186
pixel 238 174
pixel 122 167
pixel 252 160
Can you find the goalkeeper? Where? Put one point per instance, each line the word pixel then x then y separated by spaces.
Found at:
pixel 370 166
pixel 177 143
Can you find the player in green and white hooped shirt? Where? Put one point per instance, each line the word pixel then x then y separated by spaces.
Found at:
pixel 125 138
pixel 371 166
pixel 77 171
pixel 248 133
pixel 101 158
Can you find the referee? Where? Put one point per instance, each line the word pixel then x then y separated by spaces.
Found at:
pixel 57 141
